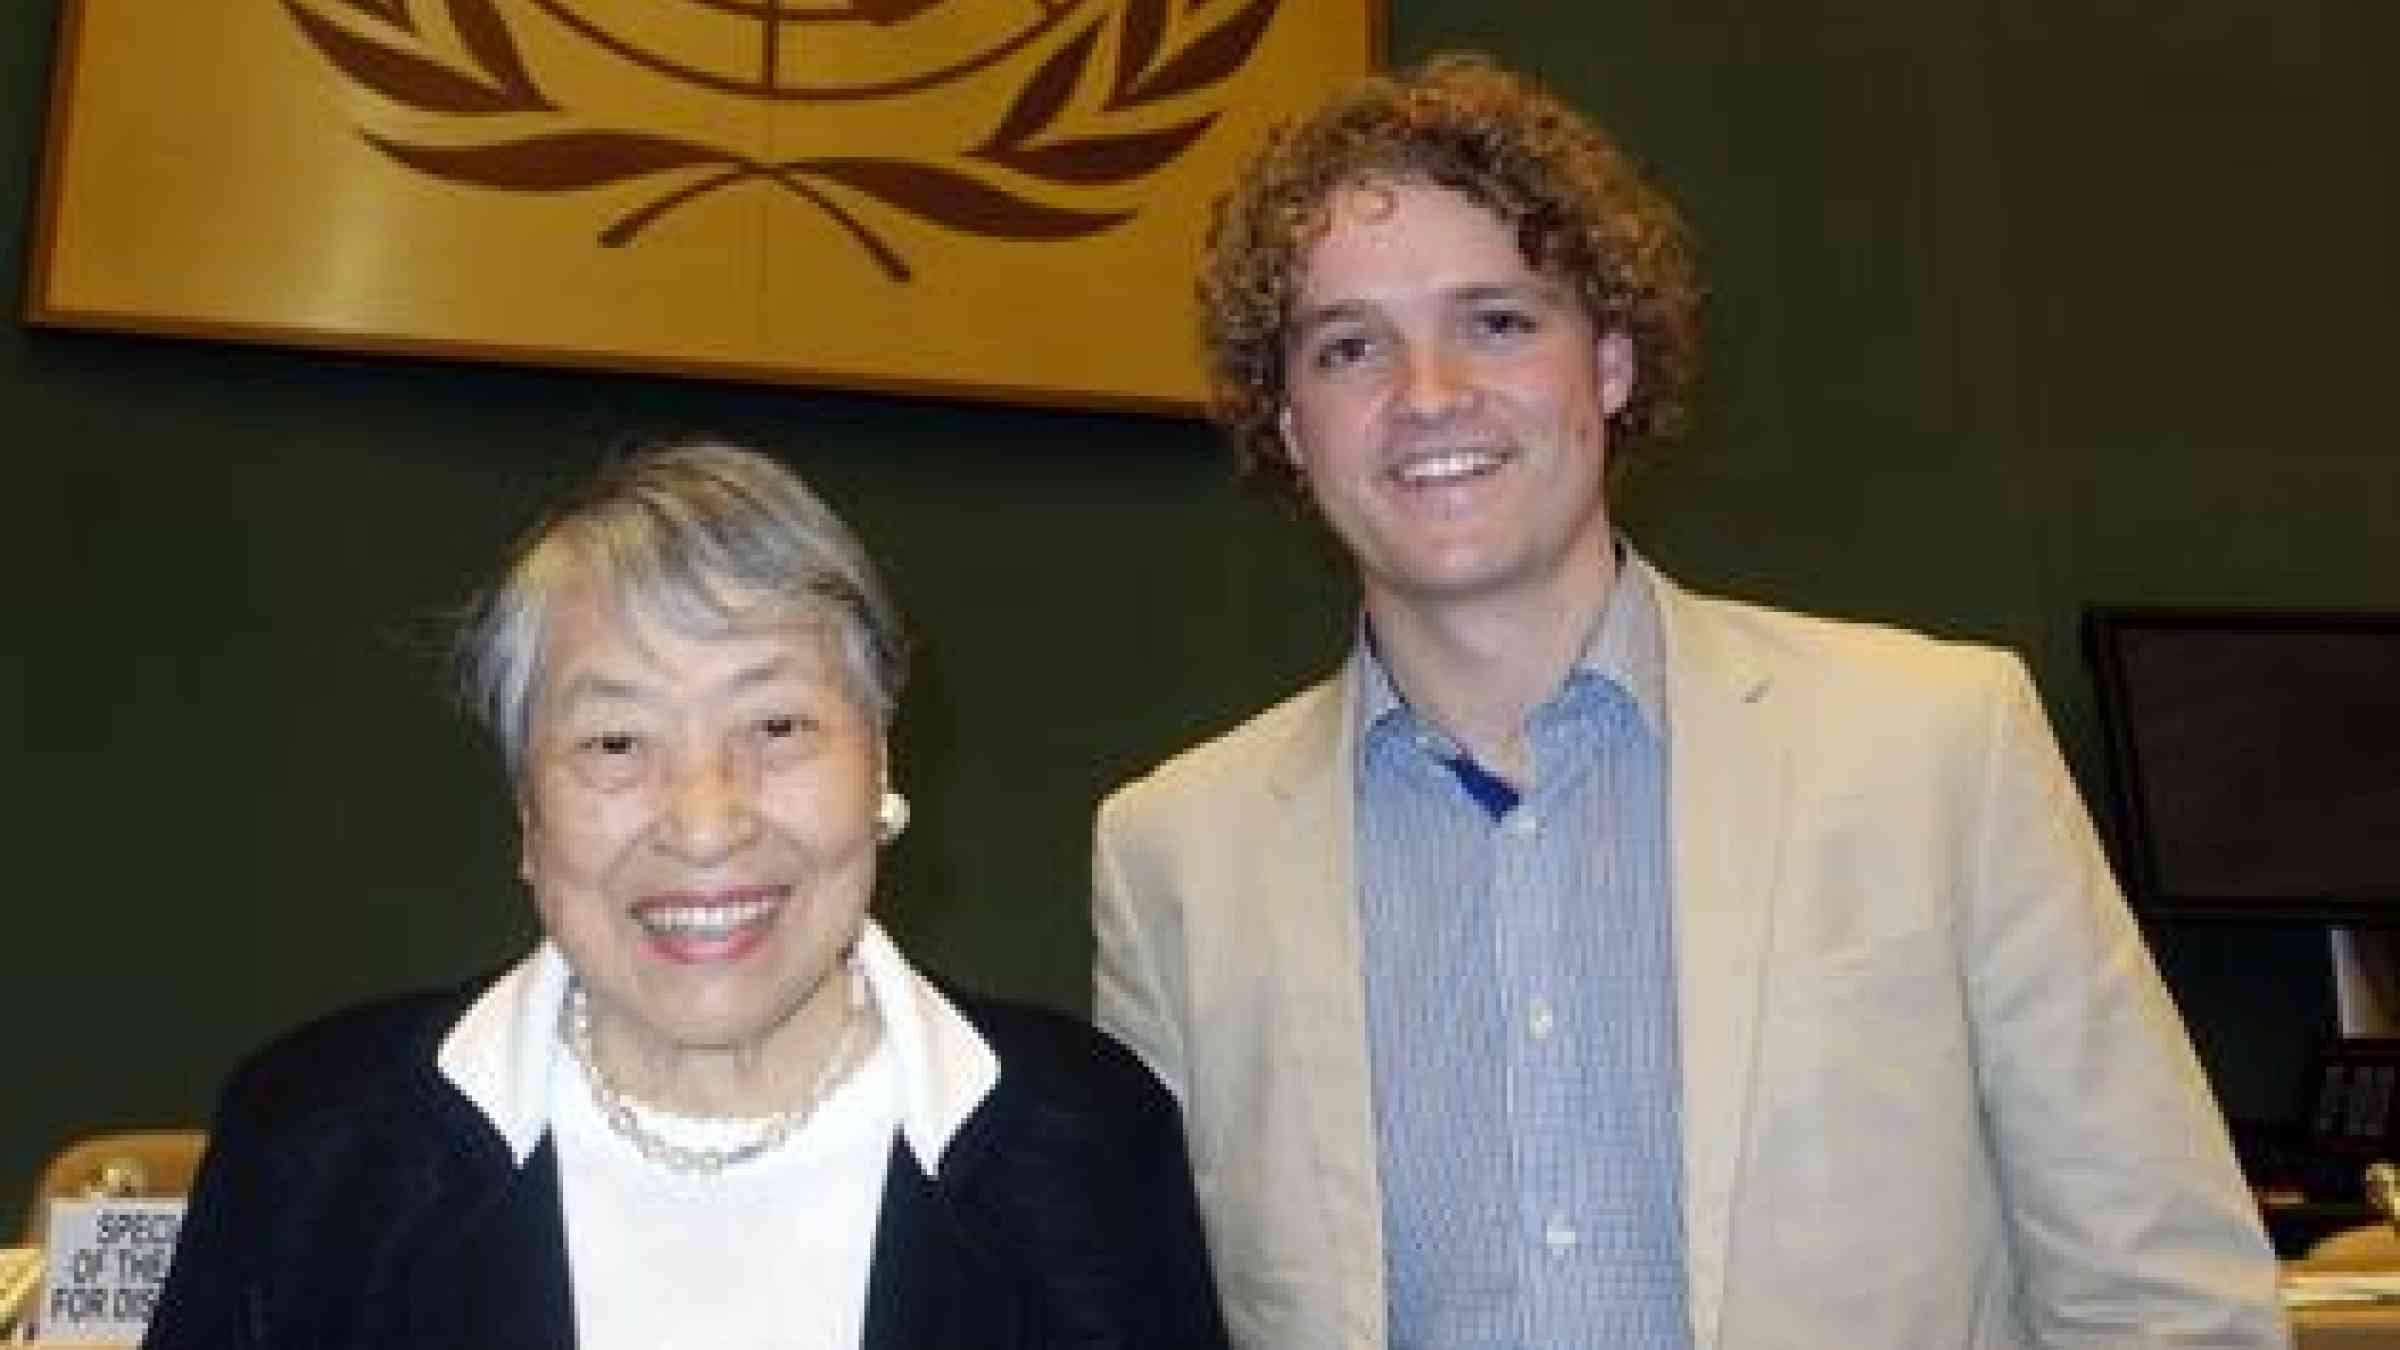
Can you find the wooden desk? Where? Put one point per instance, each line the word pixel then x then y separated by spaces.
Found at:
pixel 2369 1328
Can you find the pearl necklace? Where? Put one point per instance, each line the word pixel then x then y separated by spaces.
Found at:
pixel 773 1131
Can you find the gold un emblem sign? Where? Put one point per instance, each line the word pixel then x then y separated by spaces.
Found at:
pixel 1017 120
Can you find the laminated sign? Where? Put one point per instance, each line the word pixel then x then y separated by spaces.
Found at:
pixel 1003 198
pixel 107 1261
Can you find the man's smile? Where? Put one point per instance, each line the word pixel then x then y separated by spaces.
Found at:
pixel 1439 468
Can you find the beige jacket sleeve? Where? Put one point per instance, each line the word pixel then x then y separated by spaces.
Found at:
pixel 2124 1205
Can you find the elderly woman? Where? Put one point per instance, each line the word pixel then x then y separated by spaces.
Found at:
pixel 715 1107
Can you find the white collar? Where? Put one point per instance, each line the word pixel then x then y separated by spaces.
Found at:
pixel 502 1053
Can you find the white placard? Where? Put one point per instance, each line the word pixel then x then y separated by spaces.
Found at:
pixel 108 1260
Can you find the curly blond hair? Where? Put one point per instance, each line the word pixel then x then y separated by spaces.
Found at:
pixel 1580 209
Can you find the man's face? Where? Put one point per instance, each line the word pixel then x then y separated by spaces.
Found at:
pixel 698 825
pixel 1448 405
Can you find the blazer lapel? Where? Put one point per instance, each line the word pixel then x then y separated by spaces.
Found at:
pixel 1314 939
pixel 930 1284
pixel 1728 778
pixel 501 1280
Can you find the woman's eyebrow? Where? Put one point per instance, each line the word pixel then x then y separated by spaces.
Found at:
pixel 593 688
pixel 752 676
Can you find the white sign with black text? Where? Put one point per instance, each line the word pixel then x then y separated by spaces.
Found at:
pixel 108 1260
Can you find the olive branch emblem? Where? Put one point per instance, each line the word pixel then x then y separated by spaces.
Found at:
pixel 1029 178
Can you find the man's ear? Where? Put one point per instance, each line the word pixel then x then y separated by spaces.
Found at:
pixel 1615 363
pixel 1286 443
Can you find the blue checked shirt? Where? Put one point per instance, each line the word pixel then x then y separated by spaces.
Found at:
pixel 1520 982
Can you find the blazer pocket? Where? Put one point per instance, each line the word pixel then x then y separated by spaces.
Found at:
pixel 1866 1142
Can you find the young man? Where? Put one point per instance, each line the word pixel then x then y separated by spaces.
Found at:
pixel 1589 962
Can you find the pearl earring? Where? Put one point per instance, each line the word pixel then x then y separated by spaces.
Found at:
pixel 891 816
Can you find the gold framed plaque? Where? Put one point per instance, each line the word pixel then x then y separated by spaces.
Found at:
pixel 987 198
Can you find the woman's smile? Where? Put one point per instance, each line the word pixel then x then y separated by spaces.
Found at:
pixel 693 929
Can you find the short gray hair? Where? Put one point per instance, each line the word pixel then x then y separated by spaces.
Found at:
pixel 668 531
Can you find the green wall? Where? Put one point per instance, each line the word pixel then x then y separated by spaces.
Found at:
pixel 2021 305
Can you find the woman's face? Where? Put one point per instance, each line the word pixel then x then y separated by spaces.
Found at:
pixel 699 829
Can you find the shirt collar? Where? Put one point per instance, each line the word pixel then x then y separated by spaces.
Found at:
pixel 1624 648
pixel 946 1067
pixel 502 1054
pixel 1627 648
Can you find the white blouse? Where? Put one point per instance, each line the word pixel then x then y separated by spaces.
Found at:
pixel 773 1251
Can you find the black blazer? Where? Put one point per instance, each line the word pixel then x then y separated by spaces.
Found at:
pixel 352 1197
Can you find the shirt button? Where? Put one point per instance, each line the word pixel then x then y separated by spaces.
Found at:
pixel 1559 1235
pixel 1523 822
pixel 1541 1019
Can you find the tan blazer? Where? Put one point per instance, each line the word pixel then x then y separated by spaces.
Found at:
pixel 1934 1093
